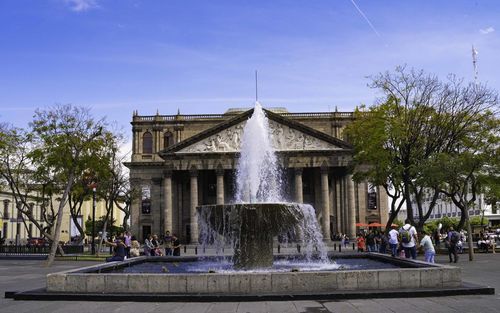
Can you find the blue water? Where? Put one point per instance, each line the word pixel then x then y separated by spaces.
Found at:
pixel 226 266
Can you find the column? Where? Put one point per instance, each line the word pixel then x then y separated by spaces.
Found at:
pixel 362 192
pixel 220 185
pixel 299 197
pixel 325 197
pixel 194 204
pixel 383 205
pixel 351 207
pixel 135 209
pixel 168 209
pixel 338 210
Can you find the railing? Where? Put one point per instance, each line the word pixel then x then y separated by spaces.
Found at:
pixel 20 250
pixel 164 118
pixel 25 249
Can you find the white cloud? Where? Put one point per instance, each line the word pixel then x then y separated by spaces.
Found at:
pixel 81 5
pixel 487 30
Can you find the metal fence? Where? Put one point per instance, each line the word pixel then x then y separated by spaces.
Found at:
pixel 20 250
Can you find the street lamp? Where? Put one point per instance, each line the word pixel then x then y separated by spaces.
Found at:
pixel 93 218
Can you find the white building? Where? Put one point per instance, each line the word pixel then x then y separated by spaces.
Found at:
pixel 446 208
pixel 17 229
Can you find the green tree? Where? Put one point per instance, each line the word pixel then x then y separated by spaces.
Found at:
pixel 66 139
pixel 374 160
pixel 418 118
pixel 464 172
pixel 18 177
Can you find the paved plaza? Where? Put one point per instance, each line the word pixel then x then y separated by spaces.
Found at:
pixel 18 275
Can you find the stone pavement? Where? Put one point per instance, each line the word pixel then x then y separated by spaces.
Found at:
pixel 25 275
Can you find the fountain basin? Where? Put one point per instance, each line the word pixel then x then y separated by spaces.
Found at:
pixel 251 228
pixel 408 275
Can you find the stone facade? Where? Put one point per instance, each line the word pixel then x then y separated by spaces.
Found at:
pixel 182 161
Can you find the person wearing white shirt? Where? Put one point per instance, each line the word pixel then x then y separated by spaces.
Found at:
pixel 409 239
pixel 429 251
pixel 393 240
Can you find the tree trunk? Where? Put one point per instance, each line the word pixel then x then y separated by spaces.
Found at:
pixel 99 245
pixel 79 227
pixel 57 231
pixel 469 234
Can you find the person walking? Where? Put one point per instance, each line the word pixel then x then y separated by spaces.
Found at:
pixel 452 241
pixel 429 251
pixel 409 239
pixel 393 240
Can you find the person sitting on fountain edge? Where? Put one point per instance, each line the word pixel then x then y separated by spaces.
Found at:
pixel 119 252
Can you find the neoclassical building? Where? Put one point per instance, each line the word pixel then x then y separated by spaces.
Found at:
pixel 182 161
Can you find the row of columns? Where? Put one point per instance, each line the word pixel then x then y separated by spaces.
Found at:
pixel 168 208
pixel 350 219
pixel 325 200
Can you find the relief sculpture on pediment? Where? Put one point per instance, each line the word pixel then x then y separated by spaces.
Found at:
pixel 283 138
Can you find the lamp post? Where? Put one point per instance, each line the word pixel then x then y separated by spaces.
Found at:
pixel 93 219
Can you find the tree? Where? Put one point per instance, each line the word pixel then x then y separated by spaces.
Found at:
pixel 18 177
pixel 374 161
pixel 418 118
pixel 463 172
pixel 66 140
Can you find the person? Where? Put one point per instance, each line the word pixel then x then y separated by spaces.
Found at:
pixel 127 240
pixel 176 245
pixel 409 239
pixel 167 241
pixel 370 241
pixel 134 247
pixel 383 242
pixel 148 246
pixel 437 238
pixel 361 243
pixel 119 253
pixel 452 241
pixel 429 251
pixel 378 241
pixel 393 240
pixel 156 246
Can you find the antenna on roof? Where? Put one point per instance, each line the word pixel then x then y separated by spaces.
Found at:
pixel 256 88
pixel 474 63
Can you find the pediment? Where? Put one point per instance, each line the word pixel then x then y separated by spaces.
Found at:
pixel 287 135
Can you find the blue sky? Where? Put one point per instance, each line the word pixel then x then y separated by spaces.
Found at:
pixel 200 56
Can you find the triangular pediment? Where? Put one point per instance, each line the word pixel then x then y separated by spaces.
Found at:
pixel 287 135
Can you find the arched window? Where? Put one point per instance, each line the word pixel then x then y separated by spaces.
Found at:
pixel 147 143
pixel 168 140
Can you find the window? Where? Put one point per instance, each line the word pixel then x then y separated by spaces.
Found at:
pixel 146 200
pixel 372 201
pixel 168 140
pixel 19 212
pixel 147 143
pixel 6 209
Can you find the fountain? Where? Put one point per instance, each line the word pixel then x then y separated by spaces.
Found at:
pixel 259 212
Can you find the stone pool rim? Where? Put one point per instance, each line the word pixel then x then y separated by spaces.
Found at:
pixel 422 276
